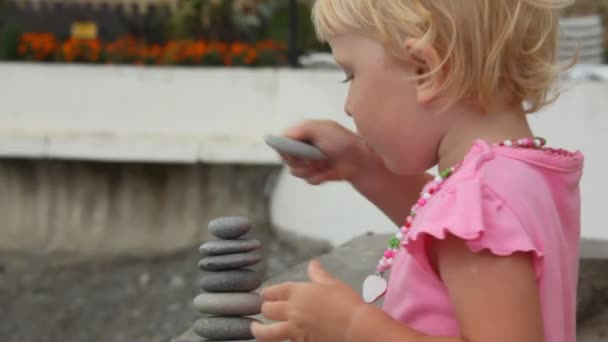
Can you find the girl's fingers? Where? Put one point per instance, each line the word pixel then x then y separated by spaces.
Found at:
pixel 322 177
pixel 276 332
pixel 276 311
pixel 306 172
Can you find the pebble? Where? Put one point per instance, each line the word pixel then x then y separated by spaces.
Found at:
pixel 229 228
pixel 225 328
pixel 228 304
pixel 221 247
pixel 229 261
pixel 242 280
pixel 295 148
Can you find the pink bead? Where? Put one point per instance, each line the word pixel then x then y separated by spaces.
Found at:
pixel 388 254
pixel 415 207
pixel 404 230
pixel 422 202
pixel 409 219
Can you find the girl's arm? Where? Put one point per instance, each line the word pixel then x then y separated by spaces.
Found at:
pixel 350 159
pixel 495 299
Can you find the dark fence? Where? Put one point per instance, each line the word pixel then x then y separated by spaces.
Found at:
pixel 113 22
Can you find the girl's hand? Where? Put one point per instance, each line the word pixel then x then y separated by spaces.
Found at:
pixel 319 311
pixel 347 154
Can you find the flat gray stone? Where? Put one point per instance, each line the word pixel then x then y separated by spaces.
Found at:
pixel 229 228
pixel 295 148
pixel 242 280
pixel 228 304
pixel 190 336
pixel 229 261
pixel 221 247
pixel 224 328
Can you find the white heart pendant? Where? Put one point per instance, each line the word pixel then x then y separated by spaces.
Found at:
pixel 374 287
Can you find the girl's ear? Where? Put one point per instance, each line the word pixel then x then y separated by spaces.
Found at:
pixel 426 62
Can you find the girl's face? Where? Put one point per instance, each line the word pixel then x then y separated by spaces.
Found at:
pixel 383 101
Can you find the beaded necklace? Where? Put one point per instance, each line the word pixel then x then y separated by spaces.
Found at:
pixel 375 285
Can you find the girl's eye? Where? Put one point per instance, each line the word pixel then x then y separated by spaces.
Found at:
pixel 349 77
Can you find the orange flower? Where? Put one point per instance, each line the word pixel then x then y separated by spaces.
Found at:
pixel 238 48
pixel 43 45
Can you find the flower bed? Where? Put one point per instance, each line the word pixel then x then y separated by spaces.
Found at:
pixel 45 47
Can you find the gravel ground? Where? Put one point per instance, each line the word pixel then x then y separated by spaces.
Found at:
pixel 118 301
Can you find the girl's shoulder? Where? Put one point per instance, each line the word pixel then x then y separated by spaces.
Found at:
pixel 503 199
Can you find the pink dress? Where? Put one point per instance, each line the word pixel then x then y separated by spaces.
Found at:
pixel 504 200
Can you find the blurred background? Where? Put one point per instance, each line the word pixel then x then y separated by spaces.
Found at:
pixel 127 125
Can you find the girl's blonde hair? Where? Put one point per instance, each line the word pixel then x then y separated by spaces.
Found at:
pixel 486 45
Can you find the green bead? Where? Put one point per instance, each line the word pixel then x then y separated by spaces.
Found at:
pixel 446 173
pixel 413 214
pixel 394 243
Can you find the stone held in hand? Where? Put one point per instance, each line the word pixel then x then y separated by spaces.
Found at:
pixel 229 261
pixel 294 148
pixel 225 328
pixel 229 228
pixel 228 304
pixel 221 247
pixel 242 280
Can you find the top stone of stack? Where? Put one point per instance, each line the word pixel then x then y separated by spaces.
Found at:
pixel 229 228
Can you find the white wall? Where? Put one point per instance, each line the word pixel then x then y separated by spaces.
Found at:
pixel 155 114
pixel 221 115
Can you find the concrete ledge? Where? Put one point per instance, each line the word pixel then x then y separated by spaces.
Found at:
pixel 75 210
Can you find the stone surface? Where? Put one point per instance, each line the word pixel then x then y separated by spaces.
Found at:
pixel 228 304
pixel 229 261
pixel 592 292
pixel 595 329
pixel 224 328
pixel 594 249
pixel 221 247
pixel 243 280
pixel 295 148
pixel 229 227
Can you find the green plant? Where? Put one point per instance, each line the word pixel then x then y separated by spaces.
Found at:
pixel 10 42
pixel 307 38
pixel 209 19
pixel 243 20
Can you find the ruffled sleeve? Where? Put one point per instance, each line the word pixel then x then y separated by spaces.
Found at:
pixel 473 212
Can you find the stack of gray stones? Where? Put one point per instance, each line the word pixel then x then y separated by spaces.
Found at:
pixel 228 298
